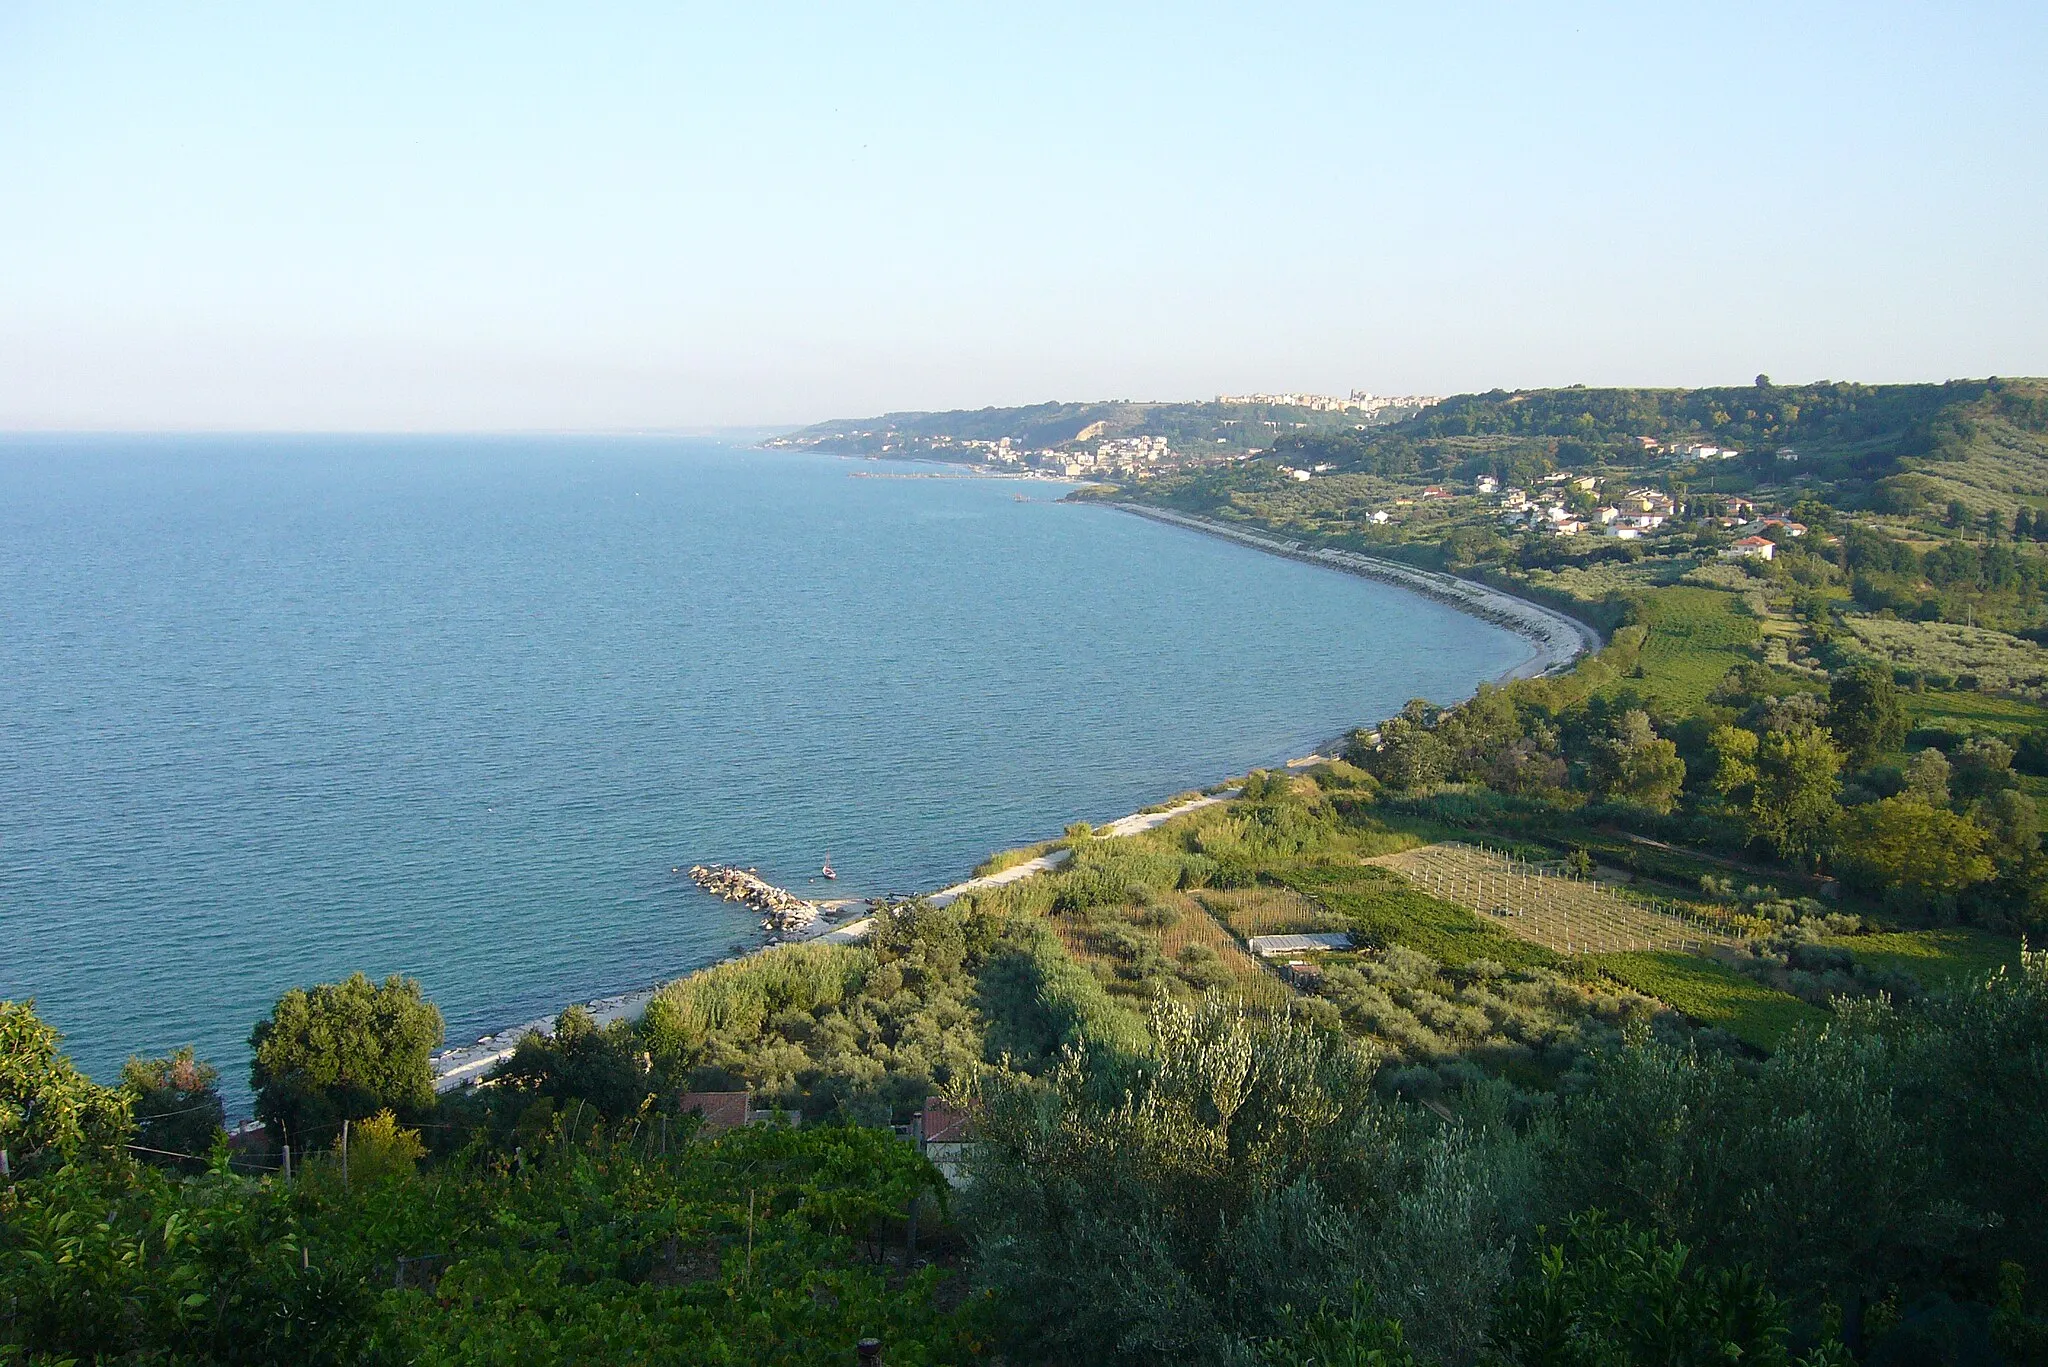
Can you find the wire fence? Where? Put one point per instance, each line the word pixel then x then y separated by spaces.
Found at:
pixel 1545 902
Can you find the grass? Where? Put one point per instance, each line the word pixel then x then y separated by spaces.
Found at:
pixel 1384 909
pixel 1696 635
pixel 1981 711
pixel 1711 993
pixel 1938 958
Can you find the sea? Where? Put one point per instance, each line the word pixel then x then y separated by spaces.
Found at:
pixel 276 709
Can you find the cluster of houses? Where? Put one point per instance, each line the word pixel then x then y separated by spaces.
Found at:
pixel 1739 512
pixel 1551 511
pixel 1133 456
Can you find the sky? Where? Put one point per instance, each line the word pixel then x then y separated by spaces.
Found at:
pixel 424 217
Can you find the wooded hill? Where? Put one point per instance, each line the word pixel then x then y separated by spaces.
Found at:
pixel 1892 447
pixel 1206 427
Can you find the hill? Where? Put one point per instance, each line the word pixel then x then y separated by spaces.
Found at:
pixel 1894 448
pixel 1198 431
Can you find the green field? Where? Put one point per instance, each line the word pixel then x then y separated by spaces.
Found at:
pixel 1696 636
pixel 1937 958
pixel 1384 908
pixel 1979 711
pixel 1711 993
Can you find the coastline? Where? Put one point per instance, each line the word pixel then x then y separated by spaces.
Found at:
pixel 1557 642
pixel 465 1064
pixel 1559 639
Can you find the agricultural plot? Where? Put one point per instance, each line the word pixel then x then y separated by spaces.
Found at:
pixel 1947 651
pixel 1938 958
pixel 1696 636
pixel 1543 904
pixel 1713 994
pixel 1381 907
pixel 1974 711
pixel 1267 911
pixel 1111 944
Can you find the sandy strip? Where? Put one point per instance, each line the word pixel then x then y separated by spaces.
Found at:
pixel 1558 639
pixel 465 1064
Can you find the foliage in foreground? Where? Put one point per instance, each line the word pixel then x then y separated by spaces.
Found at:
pixel 757 1248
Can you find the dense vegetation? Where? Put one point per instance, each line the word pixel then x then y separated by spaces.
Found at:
pixel 1684 1016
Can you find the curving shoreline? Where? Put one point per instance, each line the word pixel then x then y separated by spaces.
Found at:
pixel 1558 641
pixel 467 1063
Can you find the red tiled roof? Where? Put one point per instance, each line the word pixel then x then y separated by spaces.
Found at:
pixel 722 1111
pixel 944 1124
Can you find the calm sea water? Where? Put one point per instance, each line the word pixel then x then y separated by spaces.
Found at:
pixel 272 710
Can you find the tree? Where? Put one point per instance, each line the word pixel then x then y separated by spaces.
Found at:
pixel 2013 825
pixel 49 1111
pixel 1864 713
pixel 1609 1295
pixel 1172 1211
pixel 1927 776
pixel 1410 754
pixel 379 1148
pixel 1793 806
pixel 1913 852
pixel 607 1068
pixel 343 1051
pixel 1982 765
pixel 1634 765
pixel 176 1103
pixel 1734 751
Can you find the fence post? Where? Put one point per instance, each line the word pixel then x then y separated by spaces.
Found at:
pixel 287 1162
pixel 344 1157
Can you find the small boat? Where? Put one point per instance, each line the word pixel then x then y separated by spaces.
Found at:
pixel 827 870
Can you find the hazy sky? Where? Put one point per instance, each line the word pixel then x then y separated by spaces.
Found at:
pixel 428 216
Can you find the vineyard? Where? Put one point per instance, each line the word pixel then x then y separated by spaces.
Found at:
pixel 1546 905
pixel 1267 910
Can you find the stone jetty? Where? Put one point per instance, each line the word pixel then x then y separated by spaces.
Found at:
pixel 782 911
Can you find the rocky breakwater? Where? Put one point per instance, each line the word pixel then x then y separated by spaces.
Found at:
pixel 783 913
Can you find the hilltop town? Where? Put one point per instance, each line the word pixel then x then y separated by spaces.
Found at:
pixel 1120 439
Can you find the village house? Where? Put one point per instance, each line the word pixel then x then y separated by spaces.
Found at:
pixel 1756 547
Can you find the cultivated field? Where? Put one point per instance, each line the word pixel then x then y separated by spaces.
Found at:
pixel 1543 904
pixel 1267 911
pixel 1949 651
